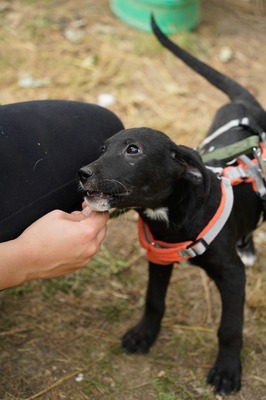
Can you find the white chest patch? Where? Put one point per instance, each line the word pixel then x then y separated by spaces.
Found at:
pixel 159 214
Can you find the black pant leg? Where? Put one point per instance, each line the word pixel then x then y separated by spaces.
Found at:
pixel 42 146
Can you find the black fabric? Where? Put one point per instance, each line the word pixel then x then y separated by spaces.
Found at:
pixel 42 146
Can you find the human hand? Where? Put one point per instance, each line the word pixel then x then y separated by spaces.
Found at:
pixel 60 243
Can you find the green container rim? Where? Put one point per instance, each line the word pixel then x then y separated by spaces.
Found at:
pixel 164 3
pixel 172 15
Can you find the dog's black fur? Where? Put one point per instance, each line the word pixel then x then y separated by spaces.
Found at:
pixel 143 169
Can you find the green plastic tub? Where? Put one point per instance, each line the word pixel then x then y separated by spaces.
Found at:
pixel 171 15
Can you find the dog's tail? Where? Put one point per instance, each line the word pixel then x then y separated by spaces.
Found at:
pixel 227 85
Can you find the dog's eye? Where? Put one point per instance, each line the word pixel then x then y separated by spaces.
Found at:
pixel 133 149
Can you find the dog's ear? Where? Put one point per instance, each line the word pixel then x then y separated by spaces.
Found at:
pixel 194 169
pixel 194 175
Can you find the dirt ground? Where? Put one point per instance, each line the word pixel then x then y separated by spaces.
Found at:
pixel 60 339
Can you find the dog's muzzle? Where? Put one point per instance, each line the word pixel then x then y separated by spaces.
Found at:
pixel 101 195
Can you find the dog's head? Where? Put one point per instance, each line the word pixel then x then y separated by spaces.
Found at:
pixel 139 168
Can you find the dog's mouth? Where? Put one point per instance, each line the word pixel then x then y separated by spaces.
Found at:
pixel 101 201
pixel 93 194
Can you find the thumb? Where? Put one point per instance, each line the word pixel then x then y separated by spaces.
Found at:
pixel 86 211
pixel 79 215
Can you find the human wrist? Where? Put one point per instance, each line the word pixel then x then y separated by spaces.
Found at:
pixel 28 259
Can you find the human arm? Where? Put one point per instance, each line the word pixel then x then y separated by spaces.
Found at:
pixel 57 244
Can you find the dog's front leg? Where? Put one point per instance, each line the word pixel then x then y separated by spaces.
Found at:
pixel 140 338
pixel 225 376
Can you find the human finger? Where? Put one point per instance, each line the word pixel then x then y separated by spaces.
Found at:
pixel 86 211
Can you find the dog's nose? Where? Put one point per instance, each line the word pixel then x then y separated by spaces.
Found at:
pixel 84 173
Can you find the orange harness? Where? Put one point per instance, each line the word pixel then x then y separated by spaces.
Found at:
pixel 248 171
pixel 163 253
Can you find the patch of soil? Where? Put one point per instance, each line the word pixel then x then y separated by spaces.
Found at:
pixel 60 339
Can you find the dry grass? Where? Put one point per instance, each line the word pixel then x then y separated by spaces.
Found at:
pixel 53 332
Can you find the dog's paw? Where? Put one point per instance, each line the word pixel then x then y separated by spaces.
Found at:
pixel 225 380
pixel 138 339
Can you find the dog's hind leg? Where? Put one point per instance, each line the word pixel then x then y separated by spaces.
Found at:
pixel 246 251
pixel 140 338
pixel 225 376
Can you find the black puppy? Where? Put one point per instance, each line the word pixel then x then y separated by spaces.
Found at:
pixel 181 201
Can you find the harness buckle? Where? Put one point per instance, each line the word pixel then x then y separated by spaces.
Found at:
pixel 262 166
pixel 194 249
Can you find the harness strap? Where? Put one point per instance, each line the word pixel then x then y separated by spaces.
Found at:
pixel 163 253
pixel 247 170
pixel 231 151
pixel 247 123
pixel 229 125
